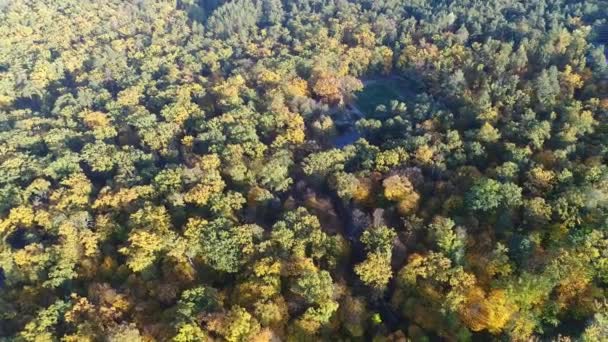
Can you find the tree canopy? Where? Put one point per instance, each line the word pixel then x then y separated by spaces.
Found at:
pixel 269 170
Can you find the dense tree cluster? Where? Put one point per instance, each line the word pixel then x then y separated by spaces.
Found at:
pixel 263 170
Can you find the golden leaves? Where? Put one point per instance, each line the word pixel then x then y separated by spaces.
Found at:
pixel 489 311
pixel 18 217
pixel 75 194
pixel 375 271
pixel 400 189
pixel 130 96
pixel 296 87
pixel 327 87
pixel 229 90
pixel 424 154
pixel 122 197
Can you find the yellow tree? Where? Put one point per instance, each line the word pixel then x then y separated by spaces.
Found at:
pixel 210 183
pixel 481 311
pixel 399 189
pixel 375 271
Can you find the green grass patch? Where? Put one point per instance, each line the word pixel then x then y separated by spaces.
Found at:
pixel 381 92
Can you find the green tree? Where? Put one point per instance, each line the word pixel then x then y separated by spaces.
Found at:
pixel 488 194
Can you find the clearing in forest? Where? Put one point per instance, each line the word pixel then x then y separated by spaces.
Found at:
pixel 381 91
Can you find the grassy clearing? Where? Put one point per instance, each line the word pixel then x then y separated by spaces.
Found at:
pixel 382 92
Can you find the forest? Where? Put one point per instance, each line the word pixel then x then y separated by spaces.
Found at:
pixel 303 170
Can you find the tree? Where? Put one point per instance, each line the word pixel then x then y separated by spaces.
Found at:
pixel 488 134
pixel 432 274
pixel 100 124
pixel 272 12
pixel 224 246
pixel 488 194
pixel 379 239
pixel 314 287
pixel 332 88
pixel 234 18
pixel 491 311
pixel 210 181
pixel 400 189
pixel 125 332
pixel 325 162
pixel 390 158
pixel 100 156
pixel 168 181
pixel 238 325
pixel 450 239
pixel 375 271
pixel 597 330
pixel 151 234
pixel 299 235
pixel 353 313
pixel 42 326
pixel 190 333
pixel 75 195
pixel 345 184
pixel 274 174
pixel 167 148
pixel 547 88
pixel 197 300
